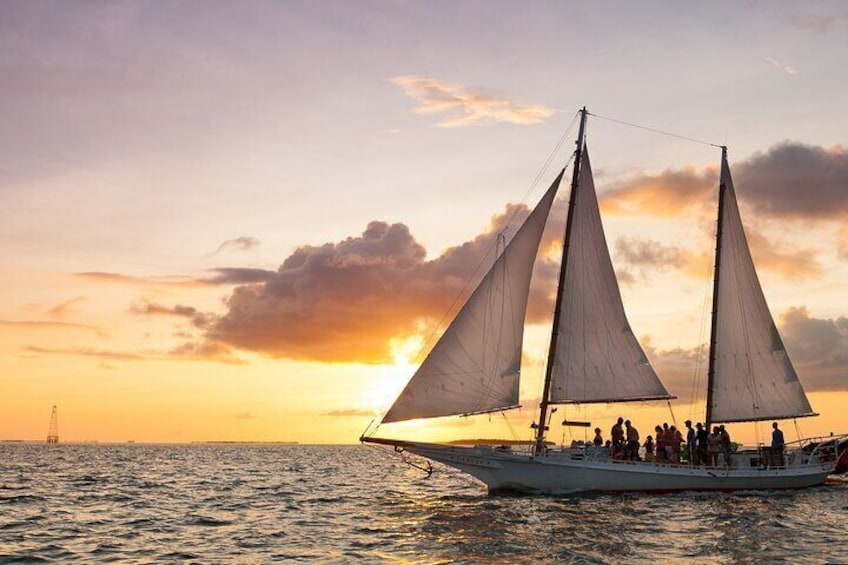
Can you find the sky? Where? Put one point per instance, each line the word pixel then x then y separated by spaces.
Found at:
pixel 244 221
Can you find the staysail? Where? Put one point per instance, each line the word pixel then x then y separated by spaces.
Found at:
pixel 597 357
pixel 752 377
pixel 475 366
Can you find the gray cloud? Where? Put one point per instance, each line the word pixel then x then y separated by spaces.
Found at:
pixel 795 180
pixel 243 243
pixel 645 252
pixel 790 179
pixel 198 319
pixel 819 348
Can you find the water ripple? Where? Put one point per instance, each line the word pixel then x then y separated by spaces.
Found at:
pixel 248 503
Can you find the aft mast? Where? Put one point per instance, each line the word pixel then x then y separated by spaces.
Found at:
pixel 722 189
pixel 575 181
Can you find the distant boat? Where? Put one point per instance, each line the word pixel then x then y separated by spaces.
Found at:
pixel 53 431
pixel 594 357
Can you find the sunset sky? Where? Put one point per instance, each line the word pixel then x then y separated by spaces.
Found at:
pixel 243 220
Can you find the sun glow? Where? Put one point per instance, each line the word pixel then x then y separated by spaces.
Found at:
pixel 392 378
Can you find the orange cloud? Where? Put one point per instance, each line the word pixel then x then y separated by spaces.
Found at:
pixel 788 180
pixel 61 309
pixel 671 193
pixel 782 260
pixel 26 324
pixel 175 280
pixel 842 243
pixel 435 97
pixel 345 301
pixel 206 351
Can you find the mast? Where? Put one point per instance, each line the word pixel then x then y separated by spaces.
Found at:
pixel 722 189
pixel 575 181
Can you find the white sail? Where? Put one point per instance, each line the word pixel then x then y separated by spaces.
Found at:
pixel 753 378
pixel 598 359
pixel 475 365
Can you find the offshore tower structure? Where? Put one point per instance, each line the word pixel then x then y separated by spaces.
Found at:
pixel 53 432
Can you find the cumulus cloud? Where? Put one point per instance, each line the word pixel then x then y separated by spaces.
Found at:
pixel 782 259
pixel 244 243
pixel 670 193
pixel 344 301
pixel 818 346
pixel 637 251
pixel 795 180
pixel 467 108
pixel 791 180
pixel 678 368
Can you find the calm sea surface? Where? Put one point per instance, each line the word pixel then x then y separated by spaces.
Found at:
pixel 229 503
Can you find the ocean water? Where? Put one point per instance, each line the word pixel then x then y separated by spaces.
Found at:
pixel 227 503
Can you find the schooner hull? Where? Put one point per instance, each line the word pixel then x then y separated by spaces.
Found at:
pixel 569 471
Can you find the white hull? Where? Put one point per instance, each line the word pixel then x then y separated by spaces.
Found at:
pixel 566 471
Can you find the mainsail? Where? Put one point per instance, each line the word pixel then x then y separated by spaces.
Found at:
pixel 597 357
pixel 752 377
pixel 475 366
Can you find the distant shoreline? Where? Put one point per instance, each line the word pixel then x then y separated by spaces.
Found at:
pixel 133 442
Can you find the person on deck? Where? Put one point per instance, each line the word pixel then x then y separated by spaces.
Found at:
pixel 701 436
pixel 599 440
pixel 777 444
pixel 725 444
pixel 631 452
pixel 713 444
pixel 649 448
pixel 690 441
pixel 675 442
pixel 617 434
pixel 668 440
pixel 660 443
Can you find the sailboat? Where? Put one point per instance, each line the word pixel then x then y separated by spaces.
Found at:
pixel 594 357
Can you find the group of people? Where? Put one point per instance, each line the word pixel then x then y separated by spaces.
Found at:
pixel 668 444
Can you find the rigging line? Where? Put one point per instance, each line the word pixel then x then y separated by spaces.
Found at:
pixel 797 429
pixel 705 315
pixel 476 270
pixel 368 427
pixel 547 164
pixel 659 131
pixel 509 426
